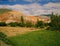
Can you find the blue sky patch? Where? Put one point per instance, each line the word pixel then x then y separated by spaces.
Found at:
pixel 42 2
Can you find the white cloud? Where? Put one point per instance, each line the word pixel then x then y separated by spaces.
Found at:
pixel 34 8
pixel 53 7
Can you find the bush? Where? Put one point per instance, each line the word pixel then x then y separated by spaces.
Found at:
pixel 39 24
pixel 46 24
pixel 4 38
pixel 21 24
pixel 3 24
pixel 55 22
pixel 29 24
pixel 13 24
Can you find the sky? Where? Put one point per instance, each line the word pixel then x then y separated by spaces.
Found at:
pixel 32 7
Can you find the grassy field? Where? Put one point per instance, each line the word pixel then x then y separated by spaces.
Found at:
pixel 37 38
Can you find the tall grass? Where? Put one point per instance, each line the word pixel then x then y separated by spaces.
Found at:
pixel 37 38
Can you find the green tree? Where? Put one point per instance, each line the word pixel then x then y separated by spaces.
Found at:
pixel 22 23
pixel 22 19
pixel 3 24
pixel 13 24
pixel 29 24
pixel 39 24
pixel 55 22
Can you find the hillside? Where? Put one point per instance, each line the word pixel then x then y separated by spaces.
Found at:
pixel 4 11
pixel 8 16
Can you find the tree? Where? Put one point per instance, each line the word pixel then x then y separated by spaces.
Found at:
pixel 39 24
pixel 22 19
pixel 13 24
pixel 29 24
pixel 22 23
pixel 55 22
pixel 3 24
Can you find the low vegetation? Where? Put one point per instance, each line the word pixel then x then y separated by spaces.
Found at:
pixel 37 38
pixel 4 38
pixel 13 24
pixel 39 24
pixel 29 24
pixel 55 22
pixel 3 24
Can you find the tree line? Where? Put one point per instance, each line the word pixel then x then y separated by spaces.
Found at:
pixel 55 22
pixel 53 25
pixel 22 23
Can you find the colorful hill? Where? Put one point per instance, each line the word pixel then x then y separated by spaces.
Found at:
pixel 8 16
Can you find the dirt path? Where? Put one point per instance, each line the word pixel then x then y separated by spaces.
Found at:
pixel 12 31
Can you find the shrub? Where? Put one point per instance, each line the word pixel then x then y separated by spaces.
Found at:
pixel 46 24
pixel 3 24
pixel 39 24
pixel 21 24
pixel 29 24
pixel 55 22
pixel 4 38
pixel 13 24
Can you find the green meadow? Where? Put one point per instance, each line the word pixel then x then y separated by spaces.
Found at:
pixel 37 38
